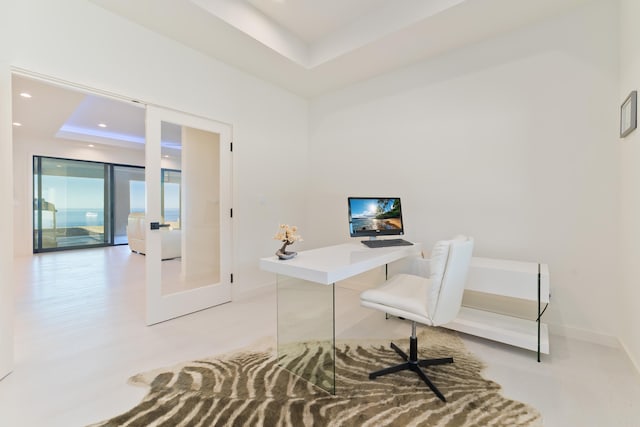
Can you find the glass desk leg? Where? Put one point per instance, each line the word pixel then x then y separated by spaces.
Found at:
pixel 306 330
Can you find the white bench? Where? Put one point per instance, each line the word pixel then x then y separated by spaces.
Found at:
pixel 527 281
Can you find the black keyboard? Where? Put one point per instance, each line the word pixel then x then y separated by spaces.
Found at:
pixel 384 243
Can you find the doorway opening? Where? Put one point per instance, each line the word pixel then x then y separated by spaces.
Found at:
pixel 83 162
pixel 78 164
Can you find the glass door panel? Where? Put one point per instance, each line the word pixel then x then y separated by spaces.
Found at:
pixel 128 197
pixel 190 200
pixel 37 206
pixel 171 195
pixel 70 204
pixel 187 268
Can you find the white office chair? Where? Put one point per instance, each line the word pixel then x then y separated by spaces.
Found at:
pixel 432 301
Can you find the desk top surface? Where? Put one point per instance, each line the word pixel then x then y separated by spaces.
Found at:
pixel 334 263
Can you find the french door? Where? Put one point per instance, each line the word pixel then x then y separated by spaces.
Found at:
pixel 188 214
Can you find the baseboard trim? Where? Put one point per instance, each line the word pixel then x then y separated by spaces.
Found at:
pixel 253 291
pixel 585 335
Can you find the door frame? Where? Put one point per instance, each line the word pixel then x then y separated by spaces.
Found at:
pixel 6 218
pixel 7 313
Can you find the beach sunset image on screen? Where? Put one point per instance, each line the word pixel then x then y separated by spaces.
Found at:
pixel 371 216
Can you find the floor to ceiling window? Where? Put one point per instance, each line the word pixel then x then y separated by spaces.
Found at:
pixel 71 207
pixel 171 197
pixel 79 204
pixel 128 197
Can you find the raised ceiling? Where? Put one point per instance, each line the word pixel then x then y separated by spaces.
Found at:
pixel 313 20
pixel 51 111
pixel 311 47
pixel 307 46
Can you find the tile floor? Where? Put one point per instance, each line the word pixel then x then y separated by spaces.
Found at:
pixel 80 334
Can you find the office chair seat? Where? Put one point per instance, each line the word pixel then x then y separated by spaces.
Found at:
pixel 432 301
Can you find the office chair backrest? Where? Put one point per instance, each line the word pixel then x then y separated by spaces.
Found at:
pixel 450 260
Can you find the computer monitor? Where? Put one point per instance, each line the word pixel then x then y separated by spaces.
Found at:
pixel 375 216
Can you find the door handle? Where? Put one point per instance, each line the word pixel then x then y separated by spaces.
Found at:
pixel 157 225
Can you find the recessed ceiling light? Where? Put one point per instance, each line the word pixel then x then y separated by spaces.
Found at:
pixel 25 95
pixel 102 125
pixel 16 124
pixel 91 145
pixel 166 156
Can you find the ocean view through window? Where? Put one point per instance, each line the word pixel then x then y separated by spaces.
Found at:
pixel 69 203
pixel 79 204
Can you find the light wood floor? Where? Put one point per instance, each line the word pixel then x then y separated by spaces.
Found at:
pixel 80 334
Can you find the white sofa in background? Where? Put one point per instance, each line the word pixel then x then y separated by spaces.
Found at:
pixel 136 227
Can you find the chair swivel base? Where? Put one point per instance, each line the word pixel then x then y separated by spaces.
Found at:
pixel 412 363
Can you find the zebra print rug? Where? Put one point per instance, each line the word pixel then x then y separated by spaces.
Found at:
pixel 251 389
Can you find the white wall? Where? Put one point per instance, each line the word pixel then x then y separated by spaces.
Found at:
pixel 629 295
pixel 76 41
pixel 512 140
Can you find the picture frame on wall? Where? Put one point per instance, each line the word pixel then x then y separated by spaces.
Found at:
pixel 628 114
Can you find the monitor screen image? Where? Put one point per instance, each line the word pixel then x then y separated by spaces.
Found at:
pixel 375 216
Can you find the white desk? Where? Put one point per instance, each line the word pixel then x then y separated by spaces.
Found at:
pixel 334 263
pixel 306 301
